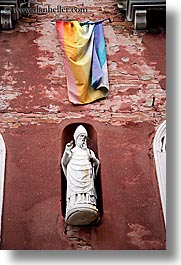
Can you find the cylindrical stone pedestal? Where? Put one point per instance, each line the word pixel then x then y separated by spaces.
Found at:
pixel 82 214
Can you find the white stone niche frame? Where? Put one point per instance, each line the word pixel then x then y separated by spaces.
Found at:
pixel 2 172
pixel 159 150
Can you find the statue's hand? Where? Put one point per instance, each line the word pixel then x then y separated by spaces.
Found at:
pixel 69 146
pixel 93 159
pixel 91 155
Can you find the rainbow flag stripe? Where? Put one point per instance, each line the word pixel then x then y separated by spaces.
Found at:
pixel 84 60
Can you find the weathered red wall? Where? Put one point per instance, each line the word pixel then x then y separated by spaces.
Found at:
pixel 32 217
pixel 34 112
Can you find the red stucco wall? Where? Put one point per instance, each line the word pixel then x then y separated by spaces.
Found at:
pixel 34 112
pixel 132 216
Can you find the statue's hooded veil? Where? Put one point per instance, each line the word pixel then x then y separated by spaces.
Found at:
pixel 80 130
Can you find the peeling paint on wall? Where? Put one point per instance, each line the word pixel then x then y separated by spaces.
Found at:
pixel 34 108
pixel 140 236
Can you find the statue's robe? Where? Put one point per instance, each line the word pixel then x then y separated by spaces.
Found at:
pixel 80 174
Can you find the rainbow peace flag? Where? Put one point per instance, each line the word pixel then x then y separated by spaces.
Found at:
pixel 84 60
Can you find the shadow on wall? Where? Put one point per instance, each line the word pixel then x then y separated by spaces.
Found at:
pixel 156 21
pixel 67 136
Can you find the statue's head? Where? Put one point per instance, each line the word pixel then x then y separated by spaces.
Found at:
pixel 80 137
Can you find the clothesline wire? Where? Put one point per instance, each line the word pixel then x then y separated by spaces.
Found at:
pixel 83 23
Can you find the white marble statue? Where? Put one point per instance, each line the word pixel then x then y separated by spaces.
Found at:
pixel 80 167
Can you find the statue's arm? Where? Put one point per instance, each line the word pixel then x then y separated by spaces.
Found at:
pixel 95 162
pixel 66 157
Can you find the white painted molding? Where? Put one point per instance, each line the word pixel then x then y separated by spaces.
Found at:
pixel 159 150
pixel 2 171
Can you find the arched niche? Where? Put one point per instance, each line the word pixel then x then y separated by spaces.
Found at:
pixel 159 149
pixel 67 136
pixel 2 173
